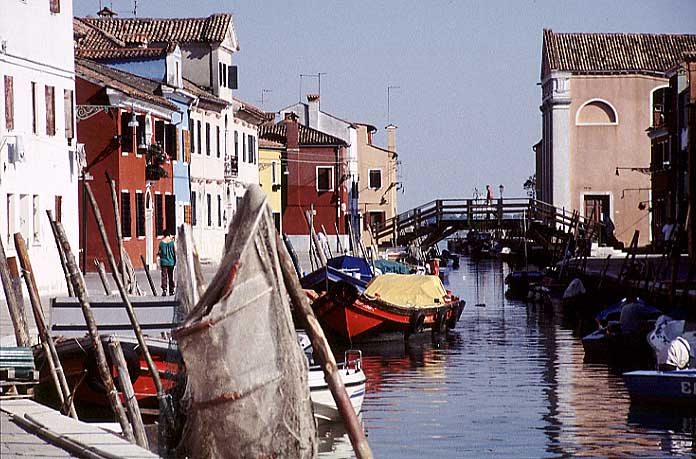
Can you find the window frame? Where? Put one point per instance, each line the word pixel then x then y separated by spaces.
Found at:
pixel 140 209
pixel 50 93
pixel 126 214
pixel 9 102
pixel 369 179
pixel 331 178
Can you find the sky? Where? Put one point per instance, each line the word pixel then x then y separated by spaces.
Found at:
pixel 466 101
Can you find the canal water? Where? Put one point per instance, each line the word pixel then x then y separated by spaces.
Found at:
pixel 509 381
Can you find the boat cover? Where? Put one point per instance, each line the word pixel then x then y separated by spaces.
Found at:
pixel 388 266
pixel 351 265
pixel 407 290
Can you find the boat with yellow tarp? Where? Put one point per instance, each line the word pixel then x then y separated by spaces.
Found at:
pixel 401 303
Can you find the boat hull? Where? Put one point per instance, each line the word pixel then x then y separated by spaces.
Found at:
pixel 674 388
pixel 323 402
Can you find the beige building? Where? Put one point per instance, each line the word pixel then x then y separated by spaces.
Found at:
pixel 597 101
pixel 377 179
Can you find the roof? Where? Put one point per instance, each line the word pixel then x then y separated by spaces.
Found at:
pixel 308 136
pixel 613 52
pixel 121 53
pixel 107 31
pixel 252 110
pixel 203 94
pixel 127 83
pixel 268 143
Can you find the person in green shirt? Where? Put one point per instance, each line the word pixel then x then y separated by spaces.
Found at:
pixel 167 260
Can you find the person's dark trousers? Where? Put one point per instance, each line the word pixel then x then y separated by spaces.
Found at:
pixel 167 273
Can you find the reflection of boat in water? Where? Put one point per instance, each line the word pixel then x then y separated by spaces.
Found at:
pixel 334 441
pixel 677 426
pixel 675 388
pixel 406 304
pixel 352 375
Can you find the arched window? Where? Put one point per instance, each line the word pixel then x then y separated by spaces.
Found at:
pixel 596 112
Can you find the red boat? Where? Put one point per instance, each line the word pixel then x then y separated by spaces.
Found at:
pixel 399 303
pixel 79 364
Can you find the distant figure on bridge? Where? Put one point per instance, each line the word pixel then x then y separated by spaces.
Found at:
pixel 489 201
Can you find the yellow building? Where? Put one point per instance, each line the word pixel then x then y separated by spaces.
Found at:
pixel 270 176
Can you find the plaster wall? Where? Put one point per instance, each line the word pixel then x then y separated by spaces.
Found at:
pixel 267 157
pixel 597 150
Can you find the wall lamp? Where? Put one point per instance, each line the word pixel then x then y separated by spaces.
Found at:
pixel 642 170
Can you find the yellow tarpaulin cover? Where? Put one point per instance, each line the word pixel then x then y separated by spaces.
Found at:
pixel 407 290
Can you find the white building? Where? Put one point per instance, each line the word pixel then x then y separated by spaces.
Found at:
pixel 39 163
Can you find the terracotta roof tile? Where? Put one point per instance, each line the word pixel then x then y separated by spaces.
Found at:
pixel 308 136
pixel 127 83
pixel 614 52
pixel 120 53
pixel 157 30
pixel 203 94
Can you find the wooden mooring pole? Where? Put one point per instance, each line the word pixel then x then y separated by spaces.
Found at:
pixel 324 354
pixel 19 321
pixel 117 225
pixel 102 365
pixel 146 267
pixel 61 255
pixel 124 382
pixel 62 389
pixel 102 276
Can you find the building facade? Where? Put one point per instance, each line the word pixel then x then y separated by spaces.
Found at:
pixel 272 166
pixel 377 182
pixel 594 155
pixel 129 133
pixel 39 156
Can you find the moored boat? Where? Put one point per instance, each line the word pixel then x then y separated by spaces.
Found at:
pixel 406 304
pixel 674 388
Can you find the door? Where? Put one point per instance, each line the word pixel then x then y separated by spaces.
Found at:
pixel 149 233
pixel 170 213
pixel 600 204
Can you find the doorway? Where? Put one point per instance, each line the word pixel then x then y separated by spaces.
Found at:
pixel 599 203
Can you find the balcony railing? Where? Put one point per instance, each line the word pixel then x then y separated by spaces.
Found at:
pixel 231 167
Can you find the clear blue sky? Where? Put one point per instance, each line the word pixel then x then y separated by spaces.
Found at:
pixel 467 107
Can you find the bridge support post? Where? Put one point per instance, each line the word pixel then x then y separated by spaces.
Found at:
pixel 468 213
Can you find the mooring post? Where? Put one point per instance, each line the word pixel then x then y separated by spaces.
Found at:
pixel 19 321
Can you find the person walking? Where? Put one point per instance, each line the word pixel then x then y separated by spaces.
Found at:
pixel 489 201
pixel 167 260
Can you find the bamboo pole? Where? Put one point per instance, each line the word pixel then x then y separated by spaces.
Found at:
pixel 124 381
pixel 16 278
pixel 61 255
pixel 324 355
pixel 315 239
pixel 19 321
pixel 124 296
pixel 328 245
pixel 54 375
pixel 102 276
pixel 102 365
pixel 339 244
pixel 62 389
pixel 146 267
pixel 117 224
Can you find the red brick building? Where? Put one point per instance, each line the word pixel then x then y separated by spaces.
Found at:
pixel 315 174
pixel 120 118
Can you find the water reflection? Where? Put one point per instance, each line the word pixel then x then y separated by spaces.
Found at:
pixel 510 381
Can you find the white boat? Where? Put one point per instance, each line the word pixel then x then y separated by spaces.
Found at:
pixel 351 372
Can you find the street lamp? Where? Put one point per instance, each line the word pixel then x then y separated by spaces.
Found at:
pixel 501 188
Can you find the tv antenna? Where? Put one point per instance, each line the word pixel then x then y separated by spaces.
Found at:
pixel 389 88
pixel 263 93
pixel 318 77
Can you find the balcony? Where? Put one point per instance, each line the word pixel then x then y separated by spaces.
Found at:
pixel 231 167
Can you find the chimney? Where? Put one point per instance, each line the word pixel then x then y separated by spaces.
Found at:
pixel 391 138
pixel 313 103
pixel 106 13
pixel 292 131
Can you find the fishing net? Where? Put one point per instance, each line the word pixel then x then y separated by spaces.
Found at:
pixel 249 394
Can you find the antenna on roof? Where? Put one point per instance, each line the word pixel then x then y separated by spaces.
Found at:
pixel 263 92
pixel 389 88
pixel 135 8
pixel 318 77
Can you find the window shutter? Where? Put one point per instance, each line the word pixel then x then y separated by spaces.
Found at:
pixel 50 111
pixel 69 118
pixel 232 77
pixel 186 138
pixel 9 102
pixel 187 214
pixel 55 6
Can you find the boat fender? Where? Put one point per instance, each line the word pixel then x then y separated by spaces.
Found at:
pixel 93 379
pixel 343 293
pixel 439 326
pixel 416 322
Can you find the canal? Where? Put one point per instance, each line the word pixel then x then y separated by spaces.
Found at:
pixel 510 381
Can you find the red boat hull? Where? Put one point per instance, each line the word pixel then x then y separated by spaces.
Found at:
pixel 364 318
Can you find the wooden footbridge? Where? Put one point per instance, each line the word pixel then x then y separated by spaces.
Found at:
pixel 431 222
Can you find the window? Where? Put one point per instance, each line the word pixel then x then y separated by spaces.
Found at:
pixel 224 74
pixel 159 132
pixel 141 133
pixel 9 103
pixel 207 139
pixel 126 133
pixel 274 173
pixel 192 139
pixel 11 216
pixel 125 214
pixel 58 205
pixel 219 210
pixel 209 208
pixel 69 114
pixel 198 139
pixel 375 219
pixel 232 77
pixel 34 108
pixel 217 140
pixel 375 179
pixel 220 73
pixel 170 212
pixel 139 214
pixel 324 178
pixel 194 217
pixel 50 110
pixel 244 147
pixel 660 104
pixel 36 213
pixel 252 149
pixel 596 112
pixel 24 216
pixel 236 144
pixel 55 6
pixel 170 137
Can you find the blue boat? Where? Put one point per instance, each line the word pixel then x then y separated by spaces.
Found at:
pixel 675 388
pixel 345 268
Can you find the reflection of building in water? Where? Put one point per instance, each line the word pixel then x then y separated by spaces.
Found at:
pixel 588 407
